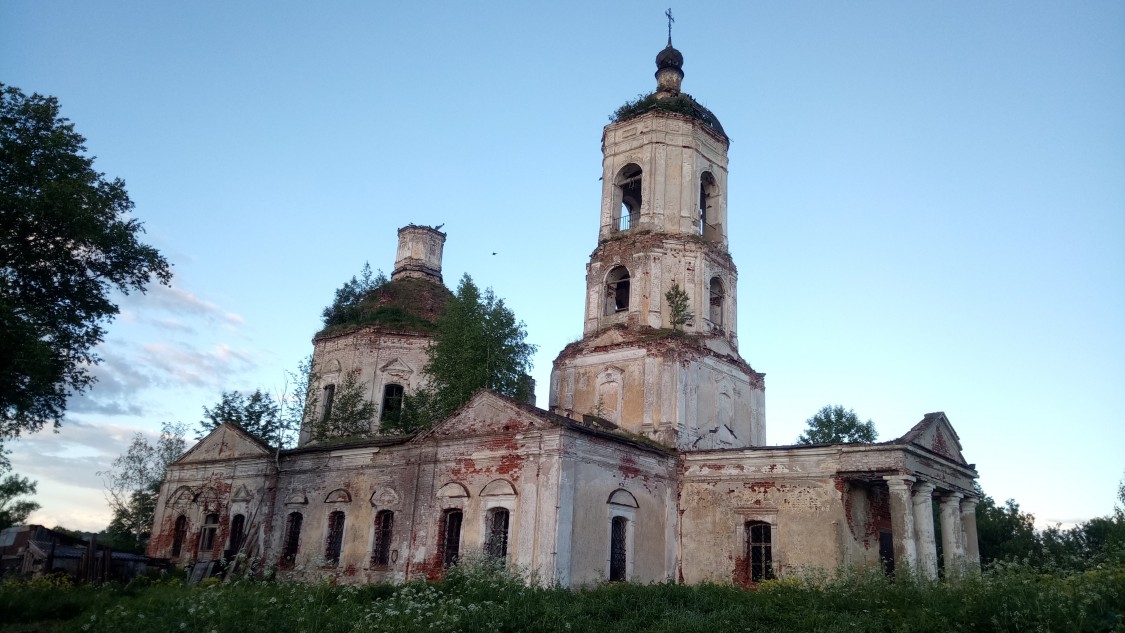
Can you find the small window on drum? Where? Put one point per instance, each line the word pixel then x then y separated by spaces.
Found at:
pixel 392 402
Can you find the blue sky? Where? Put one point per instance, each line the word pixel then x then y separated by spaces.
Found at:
pixel 927 200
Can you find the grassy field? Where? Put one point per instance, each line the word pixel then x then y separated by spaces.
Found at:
pixel 475 598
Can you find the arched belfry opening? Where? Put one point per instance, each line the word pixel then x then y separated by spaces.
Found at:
pixel 617 290
pixel 628 192
pixel 717 298
pixel 708 207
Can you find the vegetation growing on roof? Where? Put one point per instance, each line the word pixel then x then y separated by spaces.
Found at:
pixel 680 104
pixel 409 303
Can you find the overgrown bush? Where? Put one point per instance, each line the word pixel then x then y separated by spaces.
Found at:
pixel 486 597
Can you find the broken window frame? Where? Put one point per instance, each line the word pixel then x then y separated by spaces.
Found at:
pixel 497 522
pixel 759 551
pixel 450 536
pixel 292 536
pixel 329 393
pixel 384 532
pixel 208 533
pixel 179 535
pixel 393 394
pixel 334 538
pixel 617 289
pixel 237 530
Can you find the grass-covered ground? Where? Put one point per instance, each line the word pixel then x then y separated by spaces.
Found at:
pixel 478 599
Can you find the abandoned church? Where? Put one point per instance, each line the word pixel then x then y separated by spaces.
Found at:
pixel 650 461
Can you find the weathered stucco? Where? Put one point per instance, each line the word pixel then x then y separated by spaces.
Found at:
pixel 649 465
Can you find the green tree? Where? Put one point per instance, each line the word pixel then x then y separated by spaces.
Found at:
pixel 477 343
pixel 345 306
pixel 833 424
pixel 347 413
pixel 67 242
pixel 257 414
pixel 1004 532
pixel 13 510
pixel 679 306
pixel 133 481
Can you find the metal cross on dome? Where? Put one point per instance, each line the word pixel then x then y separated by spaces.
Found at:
pixel 671 19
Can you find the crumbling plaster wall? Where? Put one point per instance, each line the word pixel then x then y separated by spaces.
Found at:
pixel 697 402
pixel 655 263
pixel 673 150
pixel 225 486
pixel 466 467
pixel 820 521
pixel 381 357
pixel 593 469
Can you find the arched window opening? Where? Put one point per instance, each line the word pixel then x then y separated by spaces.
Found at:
pixel 335 538
pixel 629 190
pixel 708 193
pixel 329 394
pixel 384 529
pixel 292 536
pixel 617 290
pixel 496 542
pixel 617 548
pixel 179 533
pixel 759 550
pixel 210 529
pixel 392 402
pixel 717 297
pixel 450 537
pixel 237 527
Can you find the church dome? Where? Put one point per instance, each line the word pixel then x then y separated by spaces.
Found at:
pixel 669 58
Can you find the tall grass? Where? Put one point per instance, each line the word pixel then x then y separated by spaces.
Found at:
pixel 480 598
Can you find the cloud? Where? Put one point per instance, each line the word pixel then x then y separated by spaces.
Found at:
pixel 119 382
pixel 186 365
pixel 179 302
pixel 74 455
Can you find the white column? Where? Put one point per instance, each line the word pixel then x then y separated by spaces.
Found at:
pixel 969 523
pixel 902 522
pixel 951 534
pixel 924 528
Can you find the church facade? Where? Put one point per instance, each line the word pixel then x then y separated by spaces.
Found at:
pixel 650 461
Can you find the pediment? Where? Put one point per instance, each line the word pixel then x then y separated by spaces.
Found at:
pixel 397 368
pixel 296 499
pixel 934 433
pixel 387 497
pixel 498 488
pixel 488 413
pixel 242 493
pixel 227 441
pixel 338 495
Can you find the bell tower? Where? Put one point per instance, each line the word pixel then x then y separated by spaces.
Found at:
pixel 663 226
